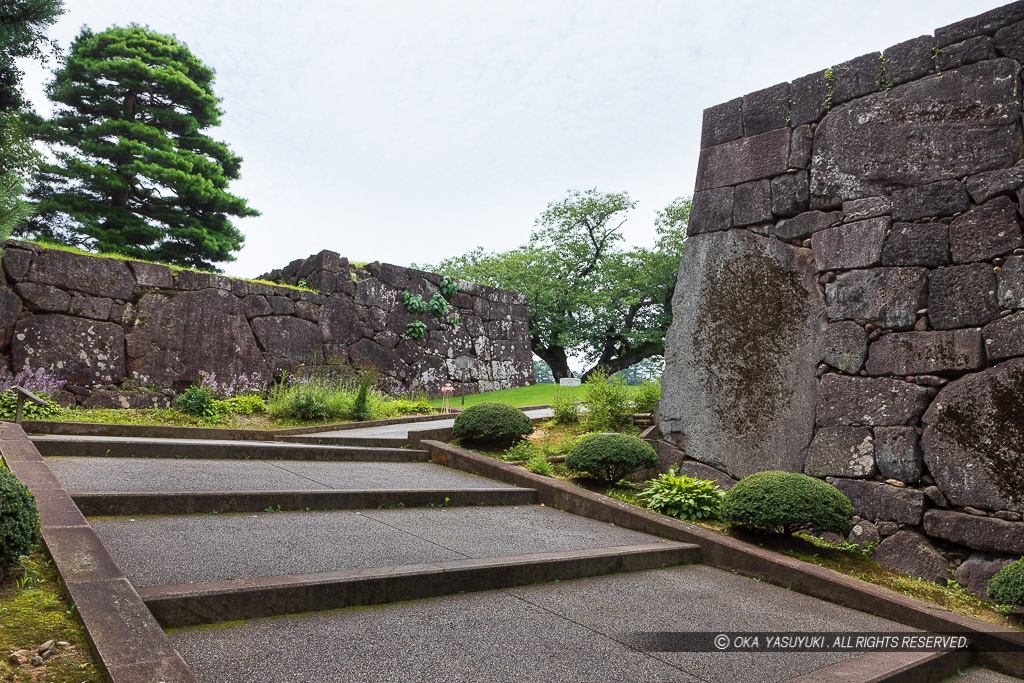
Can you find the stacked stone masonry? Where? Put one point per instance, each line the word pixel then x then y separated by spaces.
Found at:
pixel 851 299
pixel 125 333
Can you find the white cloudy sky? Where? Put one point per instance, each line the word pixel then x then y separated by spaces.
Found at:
pixel 409 131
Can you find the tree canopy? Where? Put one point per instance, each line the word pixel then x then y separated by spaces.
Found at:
pixel 587 295
pixel 23 26
pixel 134 172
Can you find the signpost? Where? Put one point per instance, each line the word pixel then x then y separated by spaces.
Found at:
pixel 23 394
pixel 464 362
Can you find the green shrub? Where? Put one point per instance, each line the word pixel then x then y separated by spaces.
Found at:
pixel 538 464
pixel 565 407
pixel 683 497
pixel 610 457
pixel 361 409
pixel 241 405
pixel 608 403
pixel 1007 585
pixel 496 423
pixel 783 502
pixel 403 406
pixel 198 401
pixel 316 397
pixel 19 520
pixel 519 452
pixel 646 396
pixel 30 411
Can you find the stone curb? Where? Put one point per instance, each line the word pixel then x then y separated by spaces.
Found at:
pixel 98 447
pixel 144 431
pixel 891 667
pixel 99 503
pixel 342 426
pixel 728 553
pixel 127 642
pixel 415 437
pixel 207 603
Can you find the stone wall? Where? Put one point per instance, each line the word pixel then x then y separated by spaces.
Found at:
pixel 851 299
pixel 108 326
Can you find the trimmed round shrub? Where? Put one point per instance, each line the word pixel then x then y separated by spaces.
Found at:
pixel 19 520
pixel 776 502
pixel 610 456
pixel 1007 585
pixel 496 423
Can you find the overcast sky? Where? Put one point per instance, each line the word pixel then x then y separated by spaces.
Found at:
pixel 410 131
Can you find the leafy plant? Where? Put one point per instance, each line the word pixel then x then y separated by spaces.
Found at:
pixel 538 464
pixel 683 497
pixel 416 329
pixel 241 405
pixel 1007 585
pixel 19 519
pixel 438 305
pixel 454 320
pixel 520 451
pixel 565 407
pixel 449 287
pixel 198 401
pixel 492 422
pixel 414 303
pixel 608 402
pixel 361 409
pixel 610 456
pixel 30 411
pixel 776 502
pixel 646 396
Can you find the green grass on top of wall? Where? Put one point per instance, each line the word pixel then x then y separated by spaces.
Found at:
pixel 533 395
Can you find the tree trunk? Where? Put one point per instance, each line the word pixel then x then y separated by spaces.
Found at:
pixel 556 359
pixel 628 358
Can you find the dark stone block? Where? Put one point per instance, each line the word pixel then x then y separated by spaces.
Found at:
pixel 255 306
pixel 983 24
pixel 1004 338
pixel 985 186
pixel 711 211
pixel 977 570
pixel 752 158
pixel 92 307
pixel 962 296
pixel 979 533
pixel 910 553
pixel 190 281
pixel 874 501
pixel 910 60
pixel 801 145
pixel 790 194
pixel 926 353
pixel 1011 283
pixel 281 305
pixel 127 399
pixel 47 341
pixel 869 207
pixel 1009 41
pixel 846 346
pixel 366 353
pixel 889 297
pixel 43 298
pixel 986 231
pixel 722 123
pixel 92 275
pixel 809 95
pixel 898 454
pixel 289 337
pixel 766 109
pixel 850 245
pixel 969 51
pixel 858 77
pixel 869 401
pixel 752 203
pixel 944 198
pixel 339 320
pixel 841 452
pixel 917 244
pixel 307 311
pixel 805 224
pixel 16 263
pixel 10 309
pixel 152 275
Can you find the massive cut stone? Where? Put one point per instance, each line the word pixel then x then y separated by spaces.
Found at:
pixel 910 553
pixel 1004 338
pixel 974 439
pixel 368 354
pixel 1011 283
pixel 97 276
pixel 874 501
pixel 845 401
pixel 898 454
pixel 43 298
pixel 178 334
pixel 739 161
pixel 850 245
pixel 289 338
pixel 980 533
pixel 752 203
pixel 807 223
pixel 739 388
pixel 977 570
pixel 841 452
pixel 985 231
pixel 889 297
pixel 944 198
pixel 965 122
pixel 10 309
pixel 985 186
pixel 339 320
pixel 711 210
pixel 846 346
pixel 914 353
pixel 962 296
pixel 82 352
pixel 917 244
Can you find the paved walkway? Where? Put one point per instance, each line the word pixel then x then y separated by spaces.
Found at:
pixel 402 430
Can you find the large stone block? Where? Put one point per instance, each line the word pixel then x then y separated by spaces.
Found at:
pixel 805 225
pixel 841 452
pixel 1004 338
pixel 43 298
pixel 944 198
pixel 898 454
pixel 910 553
pixel 918 353
pixel 82 352
pixel 712 210
pixel 910 60
pixel 368 354
pixel 846 346
pixel 89 274
pixel 177 335
pixel 962 296
pixel 1009 40
pixel 868 207
pixel 933 129
pixel 739 389
pixel 917 244
pixel 16 263
pixel 752 203
pixel 790 194
pixel 289 338
pixel 873 402
pixel 809 98
pixel 766 109
pixel 740 161
pixel 977 570
pixel 858 77
pixel 968 51
pixel 889 297
pixel 339 320
pixel 152 275
pixel 801 144
pixel 985 231
pixel 10 309
pixel 850 245
pixel 973 439
pixel 980 533
pixel 981 25
pixel 873 501
pixel 1011 283
pixel 722 123
pixel 985 186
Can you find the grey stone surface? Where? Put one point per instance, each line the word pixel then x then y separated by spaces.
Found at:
pixel 752 203
pixel 91 307
pixel 910 553
pixel 151 275
pixel 1009 40
pixel 290 338
pixel 986 231
pixel 910 60
pixel 97 276
pixel 722 123
pixel 973 439
pixel 738 392
pixel 10 309
pixel 962 296
pixel 898 454
pixel 507 634
pixel 977 570
pixel 43 298
pixel 874 501
pixel 917 244
pixel 78 351
pixel 1004 338
pixel 868 207
pixel 16 263
pixel 805 225
pixel 944 198
pixel 711 210
pixel 739 161
pixel 801 145
pixel 846 346
pixel 916 353
pixel 869 401
pixel 841 452
pixel 790 194
pixel 103 398
pixel 850 245
pixel 984 186
pixel 863 534
pixel 196 548
pixel 766 109
pixel 889 297
pixel 857 77
pixel 968 51
pixel 983 24
pixel 1010 287
pixel 981 533
pixel 810 96
pixel 887 141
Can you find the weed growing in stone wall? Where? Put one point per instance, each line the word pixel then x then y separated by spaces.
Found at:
pixel 417 329
pixel 414 303
pixel 438 306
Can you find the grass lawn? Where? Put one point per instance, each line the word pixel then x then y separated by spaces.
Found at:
pixel 533 395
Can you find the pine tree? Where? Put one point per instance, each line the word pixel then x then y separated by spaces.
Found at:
pixel 135 172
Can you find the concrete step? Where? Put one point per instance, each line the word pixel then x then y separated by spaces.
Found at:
pixel 106 503
pixel 350 441
pixel 194 604
pixel 130 447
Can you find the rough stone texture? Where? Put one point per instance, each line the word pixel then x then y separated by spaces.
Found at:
pixel 790 194
pixel 858 77
pixel 805 224
pixel 925 131
pixel 864 534
pixel 974 439
pixel 980 533
pixel 962 296
pixel 977 570
pixel 985 186
pixel 810 95
pixel 43 298
pixel 944 198
pixel 16 263
pixel 910 60
pixel 77 351
pixel 875 501
pixel 841 452
pixel 151 275
pixel 743 160
pixel 288 338
pixel 984 24
pixel 91 275
pixel 985 231
pixel 801 144
pixel 870 401
pixel 766 110
pixel 898 454
pixel 1011 283
pixel 752 203
pixel 850 245
pixel 1004 338
pixel 339 320
pixel 910 553
pixel 92 307
pixel 722 123
pixel 1009 41
pixel 968 51
pixel 711 210
pixel 127 399
pixel 914 353
pixel 869 207
pixel 846 346
pixel 889 297
pixel 737 393
pixel 10 309
pixel 917 244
